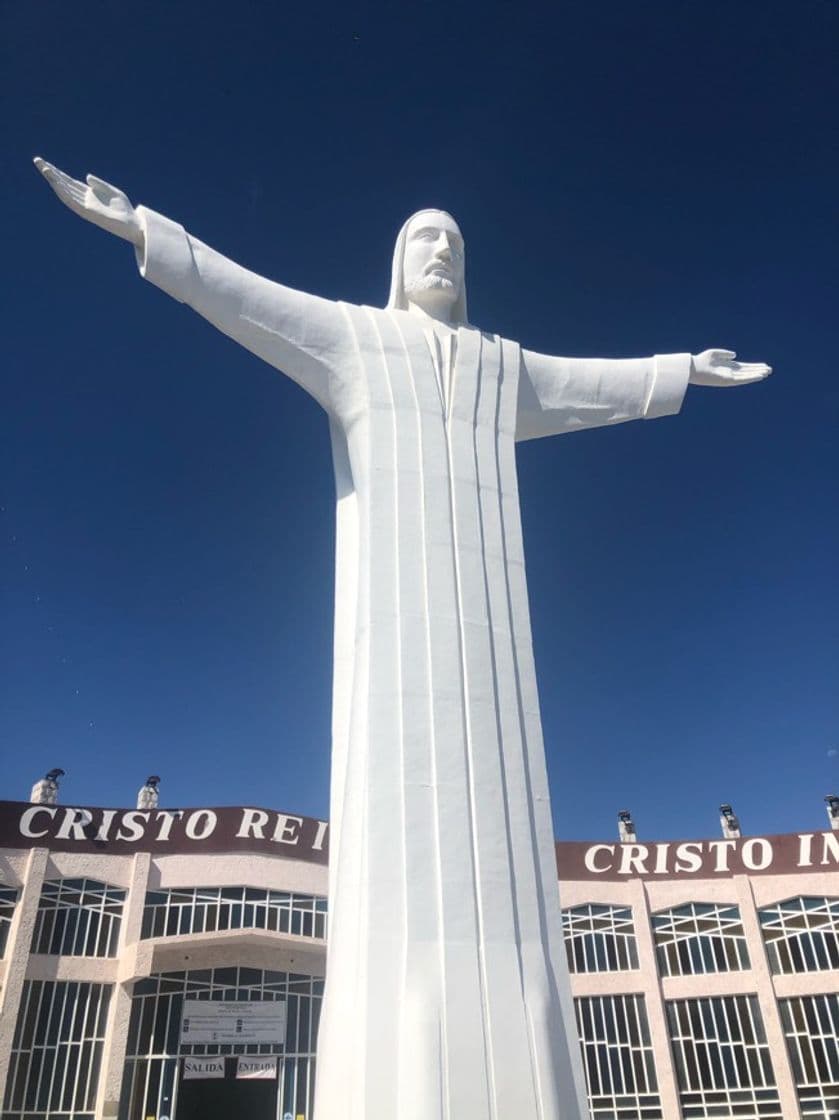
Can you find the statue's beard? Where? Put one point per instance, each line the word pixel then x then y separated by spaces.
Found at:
pixel 432 285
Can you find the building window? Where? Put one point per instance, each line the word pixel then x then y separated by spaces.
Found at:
pixel 618 1058
pixel 78 918
pixel 801 934
pixel 57 1051
pixel 599 938
pixel 150 1080
pixel 811 1024
pixel 699 937
pixel 172 913
pixel 722 1059
pixel 8 901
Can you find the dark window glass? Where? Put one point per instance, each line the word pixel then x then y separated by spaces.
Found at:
pixel 617 1057
pixel 801 934
pixel 57 1049
pixel 599 938
pixel 721 1058
pixel 78 918
pixel 699 938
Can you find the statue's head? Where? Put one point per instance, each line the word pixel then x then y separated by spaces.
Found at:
pixel 428 267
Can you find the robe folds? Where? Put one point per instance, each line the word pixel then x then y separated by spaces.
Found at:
pixel 447 993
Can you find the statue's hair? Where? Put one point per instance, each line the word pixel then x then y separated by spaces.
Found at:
pixel 397 299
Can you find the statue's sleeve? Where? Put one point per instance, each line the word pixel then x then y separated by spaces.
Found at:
pixel 565 394
pixel 303 335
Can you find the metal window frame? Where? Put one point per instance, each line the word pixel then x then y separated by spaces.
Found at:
pixel 811 1028
pixel 178 911
pixel 78 918
pixel 700 938
pixel 599 937
pixel 56 1055
pixel 615 1041
pixel 714 1041
pixel 8 902
pixel 801 934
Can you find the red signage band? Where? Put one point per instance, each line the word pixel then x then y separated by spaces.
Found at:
pixel 699 859
pixel 246 829
pixel 65 828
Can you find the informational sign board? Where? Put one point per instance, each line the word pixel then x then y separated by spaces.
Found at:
pixel 195 1068
pixel 249 1068
pixel 208 1021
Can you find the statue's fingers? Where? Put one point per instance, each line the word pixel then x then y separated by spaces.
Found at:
pixel 101 187
pixel 756 373
pixel 69 191
pixel 58 178
pixel 62 184
pixel 724 355
pixel 65 179
pixel 69 188
pixel 48 170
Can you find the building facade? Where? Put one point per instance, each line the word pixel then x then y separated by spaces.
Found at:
pixel 164 963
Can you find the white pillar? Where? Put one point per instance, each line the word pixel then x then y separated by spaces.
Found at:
pixel 17 955
pixel 668 1090
pixel 765 989
pixel 119 1013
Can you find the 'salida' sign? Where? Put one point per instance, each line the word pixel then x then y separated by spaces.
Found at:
pixel 72 829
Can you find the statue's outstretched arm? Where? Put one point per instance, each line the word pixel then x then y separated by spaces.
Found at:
pixel 304 336
pixel 565 394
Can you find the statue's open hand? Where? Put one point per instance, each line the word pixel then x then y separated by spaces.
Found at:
pixel 717 367
pixel 98 202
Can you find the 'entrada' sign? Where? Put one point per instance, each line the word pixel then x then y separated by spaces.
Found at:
pixel 71 829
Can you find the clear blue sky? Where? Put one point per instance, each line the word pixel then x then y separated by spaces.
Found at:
pixel 630 179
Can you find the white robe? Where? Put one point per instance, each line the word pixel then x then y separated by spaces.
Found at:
pixel 446 995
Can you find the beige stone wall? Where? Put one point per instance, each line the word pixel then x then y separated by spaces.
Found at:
pixel 260 949
pixel 137 874
pixel 648 896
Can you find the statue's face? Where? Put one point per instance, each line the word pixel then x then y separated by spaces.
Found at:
pixel 432 269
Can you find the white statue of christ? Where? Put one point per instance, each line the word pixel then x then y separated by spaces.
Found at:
pixel 447 995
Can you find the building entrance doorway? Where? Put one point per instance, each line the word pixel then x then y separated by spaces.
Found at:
pixel 227 1099
pixel 153 1082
